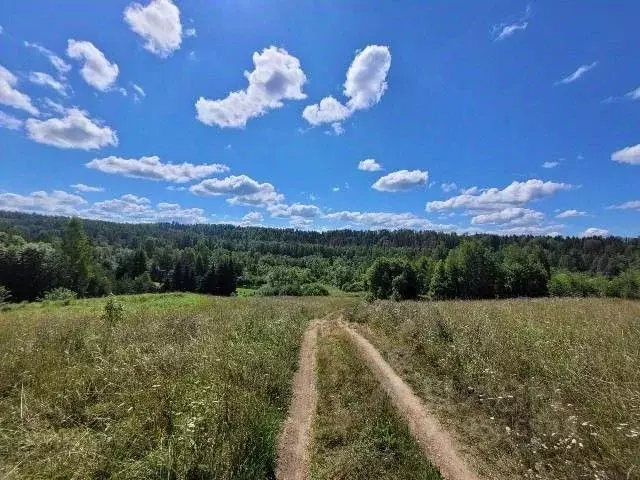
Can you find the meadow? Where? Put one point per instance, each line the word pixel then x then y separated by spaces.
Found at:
pixel 181 386
pixel 543 388
pixel 187 386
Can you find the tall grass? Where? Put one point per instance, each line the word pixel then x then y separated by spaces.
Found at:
pixel 546 388
pixel 358 434
pixel 182 386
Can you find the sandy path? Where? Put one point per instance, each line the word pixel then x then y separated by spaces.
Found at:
pixel 434 441
pixel 293 442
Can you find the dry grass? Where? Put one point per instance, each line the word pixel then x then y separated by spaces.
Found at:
pixel 358 434
pixel 185 386
pixel 546 388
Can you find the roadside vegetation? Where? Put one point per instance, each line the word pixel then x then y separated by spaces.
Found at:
pixel 148 386
pixel 547 388
pixel 358 434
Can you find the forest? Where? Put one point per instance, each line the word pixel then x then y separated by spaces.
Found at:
pixel 45 257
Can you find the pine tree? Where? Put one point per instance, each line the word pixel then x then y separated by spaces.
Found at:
pixel 78 256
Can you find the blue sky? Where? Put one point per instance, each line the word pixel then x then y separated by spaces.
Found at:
pixel 500 116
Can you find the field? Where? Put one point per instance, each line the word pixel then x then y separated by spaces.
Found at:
pixel 198 387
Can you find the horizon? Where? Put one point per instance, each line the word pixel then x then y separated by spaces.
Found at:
pixel 498 118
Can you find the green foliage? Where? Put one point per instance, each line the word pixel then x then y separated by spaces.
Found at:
pixel 77 256
pixel 392 277
pixel 60 293
pixel 5 294
pixel 569 284
pixel 314 290
pixel 113 312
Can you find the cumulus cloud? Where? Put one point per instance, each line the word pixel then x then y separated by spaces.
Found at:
pixel 277 76
pixel 74 130
pixel 152 168
pixel 515 194
pixel 96 70
pixel 295 210
pixel 632 205
pixel 553 164
pixel 401 180
pixel 629 155
pixel 46 80
pixel 58 63
pixel 132 208
pixel 511 215
pixel 369 165
pixel 252 218
pixel 364 86
pixel 449 187
pixel 57 202
pixel 158 24
pixel 81 187
pixel 582 69
pixel 329 110
pixel 571 213
pixel 10 96
pixel 595 232
pixel 10 122
pixel 385 220
pixel 241 189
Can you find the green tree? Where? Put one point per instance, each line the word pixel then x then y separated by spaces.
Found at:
pixel 78 256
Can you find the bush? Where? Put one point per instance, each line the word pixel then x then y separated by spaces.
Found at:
pixel 314 290
pixel 113 311
pixel 5 294
pixel 60 293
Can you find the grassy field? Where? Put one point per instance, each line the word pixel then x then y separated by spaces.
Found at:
pixel 184 386
pixel 359 436
pixel 546 388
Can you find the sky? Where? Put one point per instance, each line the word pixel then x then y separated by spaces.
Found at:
pixel 498 116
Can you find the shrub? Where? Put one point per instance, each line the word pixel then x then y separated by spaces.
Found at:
pixel 5 294
pixel 60 293
pixel 113 311
pixel 314 290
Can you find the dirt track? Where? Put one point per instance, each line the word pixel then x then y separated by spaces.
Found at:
pixel 434 441
pixel 293 442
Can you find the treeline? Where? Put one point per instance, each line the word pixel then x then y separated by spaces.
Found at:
pixel 92 258
pixel 474 271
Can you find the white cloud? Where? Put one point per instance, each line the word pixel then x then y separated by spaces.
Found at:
pixel 515 194
pixel 548 230
pixel 511 216
pixel 595 232
pixel 630 155
pixel 295 210
pixel 158 24
pixel 54 107
pixel 582 69
pixel 277 76
pixel 152 168
pixel 369 165
pixel 81 187
pixel 335 189
pixel 449 187
pixel 632 205
pixel 10 122
pixel 131 208
pixel 10 96
pixel 633 94
pixel 75 130
pixel 57 202
pixel 508 30
pixel 385 220
pixel 401 180
pixel 96 70
pixel 505 30
pixel 58 63
pixel 364 86
pixel 173 188
pixel 44 79
pixel 337 128
pixel 571 213
pixel 252 218
pixel 190 32
pixel 329 110
pixel 241 189
pixel 553 164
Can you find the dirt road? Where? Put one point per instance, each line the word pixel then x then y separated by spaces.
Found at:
pixel 434 441
pixel 293 442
